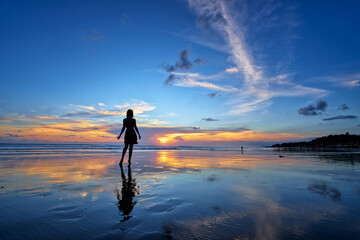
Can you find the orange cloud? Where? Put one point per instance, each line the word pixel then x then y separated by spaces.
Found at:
pixel 232 70
pixel 46 117
pixel 74 131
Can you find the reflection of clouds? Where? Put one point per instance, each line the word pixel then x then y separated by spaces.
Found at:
pixel 324 190
pixel 263 217
pixel 78 176
pixel 212 178
pixel 270 215
pixel 341 158
pixel 67 170
pixel 63 171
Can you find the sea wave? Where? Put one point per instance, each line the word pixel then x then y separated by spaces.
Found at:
pixel 6 149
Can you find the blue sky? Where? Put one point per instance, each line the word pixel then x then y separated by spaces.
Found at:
pixel 249 70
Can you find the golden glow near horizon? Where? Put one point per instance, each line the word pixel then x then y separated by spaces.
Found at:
pixel 164 139
pixel 90 131
pixel 214 136
pixel 55 129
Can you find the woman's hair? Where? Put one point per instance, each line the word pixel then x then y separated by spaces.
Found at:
pixel 129 113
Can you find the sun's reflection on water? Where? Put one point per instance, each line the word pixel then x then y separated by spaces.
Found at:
pixel 199 160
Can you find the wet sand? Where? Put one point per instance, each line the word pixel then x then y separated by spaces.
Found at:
pixel 180 194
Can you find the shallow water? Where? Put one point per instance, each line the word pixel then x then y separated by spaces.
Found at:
pixel 180 194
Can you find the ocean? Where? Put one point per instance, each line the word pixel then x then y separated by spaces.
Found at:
pixel 79 191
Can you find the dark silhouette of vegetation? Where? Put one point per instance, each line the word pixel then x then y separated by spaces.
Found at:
pixel 332 141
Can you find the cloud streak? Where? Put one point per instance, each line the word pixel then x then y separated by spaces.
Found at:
pixel 190 82
pixel 348 81
pixel 209 119
pixel 101 111
pixel 341 117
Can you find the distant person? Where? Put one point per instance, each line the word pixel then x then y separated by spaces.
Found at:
pixel 130 136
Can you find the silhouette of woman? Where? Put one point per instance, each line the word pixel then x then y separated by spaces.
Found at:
pixel 130 136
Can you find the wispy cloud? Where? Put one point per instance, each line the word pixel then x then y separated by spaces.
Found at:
pixel 6 119
pixel 190 82
pixel 15 117
pixel 349 80
pixel 138 106
pixel 102 110
pixel 45 117
pixel 256 87
pixel 186 79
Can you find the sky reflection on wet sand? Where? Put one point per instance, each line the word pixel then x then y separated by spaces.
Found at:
pixel 181 195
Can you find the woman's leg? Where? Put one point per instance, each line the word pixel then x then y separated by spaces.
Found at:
pixel 130 152
pixel 123 153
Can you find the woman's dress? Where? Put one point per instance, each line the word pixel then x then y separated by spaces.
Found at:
pixel 130 134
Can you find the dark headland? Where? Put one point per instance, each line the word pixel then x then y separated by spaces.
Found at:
pixel 348 141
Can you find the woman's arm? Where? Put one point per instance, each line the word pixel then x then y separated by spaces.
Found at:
pixel 122 130
pixel 137 130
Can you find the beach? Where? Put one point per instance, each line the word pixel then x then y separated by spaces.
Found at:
pixel 82 193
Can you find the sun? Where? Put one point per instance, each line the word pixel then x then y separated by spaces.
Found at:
pixel 164 139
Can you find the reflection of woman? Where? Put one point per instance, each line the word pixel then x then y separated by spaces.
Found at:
pixel 130 136
pixel 128 192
